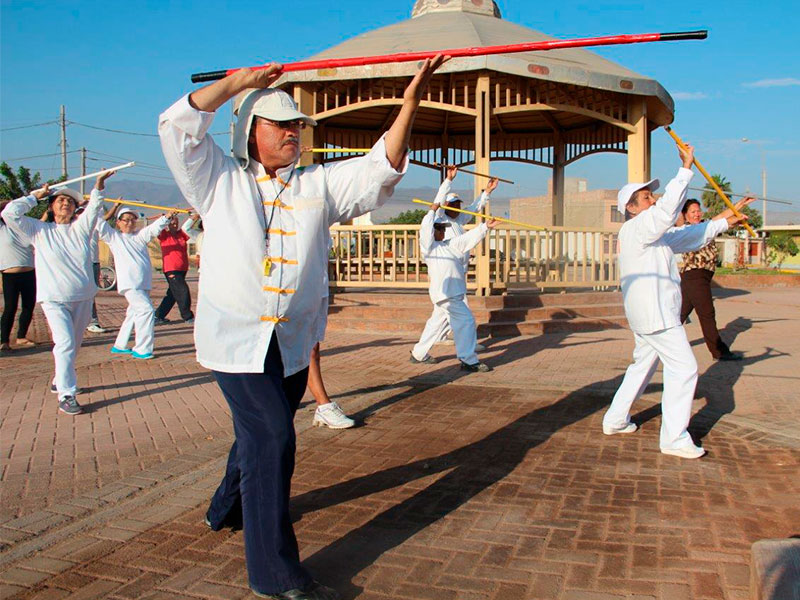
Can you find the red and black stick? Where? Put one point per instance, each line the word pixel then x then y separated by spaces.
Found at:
pixel 358 61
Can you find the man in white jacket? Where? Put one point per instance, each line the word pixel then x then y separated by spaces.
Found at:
pixel 264 260
pixel 651 290
pixel 447 287
pixel 134 279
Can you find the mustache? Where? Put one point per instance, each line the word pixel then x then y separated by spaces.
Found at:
pixel 291 140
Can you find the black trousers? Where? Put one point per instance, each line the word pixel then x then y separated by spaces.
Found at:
pixel 696 292
pixel 178 292
pixel 255 489
pixel 16 285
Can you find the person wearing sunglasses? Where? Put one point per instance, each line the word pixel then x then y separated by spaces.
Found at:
pixel 264 260
pixel 134 279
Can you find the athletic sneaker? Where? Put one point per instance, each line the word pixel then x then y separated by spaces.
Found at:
pixel 115 350
pixel 313 591
pixel 147 356
pixel 69 405
pixel 160 321
pixel 95 328
pixel 189 321
pixel 331 415
pixel 428 360
pixel 614 429
pixel 685 452
pixel 478 367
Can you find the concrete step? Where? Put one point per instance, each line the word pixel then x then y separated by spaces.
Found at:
pixel 511 328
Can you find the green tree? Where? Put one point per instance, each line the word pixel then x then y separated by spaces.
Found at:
pixel 23 182
pixel 714 204
pixel 409 217
pixel 781 246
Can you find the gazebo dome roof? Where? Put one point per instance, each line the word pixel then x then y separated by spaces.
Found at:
pixel 442 24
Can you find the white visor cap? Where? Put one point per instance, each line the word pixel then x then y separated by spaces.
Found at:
pixel 626 193
pixel 65 191
pixel 269 103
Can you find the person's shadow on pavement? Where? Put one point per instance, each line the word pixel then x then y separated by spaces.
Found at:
pixel 464 473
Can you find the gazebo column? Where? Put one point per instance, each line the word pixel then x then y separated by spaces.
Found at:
pixel 559 158
pixel 305 104
pixel 483 109
pixel 638 141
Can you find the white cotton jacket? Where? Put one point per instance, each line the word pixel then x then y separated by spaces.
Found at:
pixel 131 258
pixel 446 266
pixel 458 222
pixel 63 258
pixel 16 250
pixel 649 277
pixel 240 306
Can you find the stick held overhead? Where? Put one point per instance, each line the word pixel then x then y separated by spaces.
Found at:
pixel 710 180
pixel 481 215
pixel 358 61
pixel 62 184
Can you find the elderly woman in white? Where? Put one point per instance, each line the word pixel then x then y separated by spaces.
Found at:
pixel 651 294
pixel 134 279
pixel 65 286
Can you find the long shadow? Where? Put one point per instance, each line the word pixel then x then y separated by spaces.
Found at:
pixel 188 381
pixel 465 473
pixel 330 351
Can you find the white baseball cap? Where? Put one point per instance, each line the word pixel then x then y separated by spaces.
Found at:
pixel 269 103
pixel 626 193
pixel 451 197
pixel 442 222
pixel 125 211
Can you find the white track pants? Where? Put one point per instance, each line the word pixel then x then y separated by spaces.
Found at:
pixel 140 317
pixel 67 321
pixel 680 379
pixel 454 314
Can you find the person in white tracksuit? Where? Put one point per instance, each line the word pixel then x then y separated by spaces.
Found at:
pixel 652 297
pixel 457 220
pixel 448 288
pixel 134 279
pixel 65 286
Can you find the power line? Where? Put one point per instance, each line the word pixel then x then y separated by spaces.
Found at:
pixel 39 156
pixel 139 163
pixel 123 132
pixel 28 126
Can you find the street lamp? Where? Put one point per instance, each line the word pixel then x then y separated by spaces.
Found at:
pixel 763 177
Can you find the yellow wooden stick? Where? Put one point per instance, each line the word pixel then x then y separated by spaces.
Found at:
pixel 143 205
pixel 337 150
pixel 710 180
pixel 469 212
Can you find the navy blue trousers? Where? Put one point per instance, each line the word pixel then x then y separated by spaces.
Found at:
pixel 258 476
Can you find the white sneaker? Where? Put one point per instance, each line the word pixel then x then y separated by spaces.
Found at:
pixel 614 429
pixel 330 415
pixel 95 328
pixel 685 452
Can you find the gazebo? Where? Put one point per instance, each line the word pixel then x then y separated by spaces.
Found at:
pixel 547 108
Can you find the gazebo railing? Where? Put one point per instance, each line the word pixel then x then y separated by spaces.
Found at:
pixel 387 256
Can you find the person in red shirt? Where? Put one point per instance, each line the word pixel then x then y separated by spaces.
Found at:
pixel 176 264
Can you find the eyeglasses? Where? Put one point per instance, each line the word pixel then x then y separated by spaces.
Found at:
pixel 296 124
pixel 127 220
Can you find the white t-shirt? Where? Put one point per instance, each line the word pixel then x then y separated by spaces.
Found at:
pixel 15 250
pixel 131 258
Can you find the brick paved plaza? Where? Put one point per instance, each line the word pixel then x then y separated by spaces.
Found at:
pixel 481 486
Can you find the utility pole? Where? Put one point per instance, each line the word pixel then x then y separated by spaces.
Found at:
pixel 83 170
pixel 63 122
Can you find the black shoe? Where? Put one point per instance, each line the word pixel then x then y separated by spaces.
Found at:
pixel 428 360
pixel 160 321
pixel 730 356
pixel 69 405
pixel 478 367
pixel 314 591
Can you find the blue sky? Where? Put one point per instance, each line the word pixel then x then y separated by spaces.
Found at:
pixel 119 64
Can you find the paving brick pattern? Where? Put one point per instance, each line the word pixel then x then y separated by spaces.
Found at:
pixel 496 485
